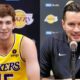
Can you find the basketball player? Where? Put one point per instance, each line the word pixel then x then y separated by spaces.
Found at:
pixel 18 55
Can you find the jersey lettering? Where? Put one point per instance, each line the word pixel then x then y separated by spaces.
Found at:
pixel 10 66
pixel 6 76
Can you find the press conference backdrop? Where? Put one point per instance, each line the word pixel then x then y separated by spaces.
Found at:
pixel 50 17
pixel 27 18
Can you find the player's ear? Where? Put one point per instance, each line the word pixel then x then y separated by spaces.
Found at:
pixel 63 24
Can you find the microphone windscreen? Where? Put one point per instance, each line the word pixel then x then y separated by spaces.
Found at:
pixel 73 45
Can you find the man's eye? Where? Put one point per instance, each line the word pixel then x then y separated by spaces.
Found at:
pixel 8 22
pixel 71 24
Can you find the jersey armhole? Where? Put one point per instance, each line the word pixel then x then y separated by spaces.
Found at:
pixel 20 49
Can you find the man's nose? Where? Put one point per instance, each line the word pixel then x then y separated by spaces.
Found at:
pixel 4 26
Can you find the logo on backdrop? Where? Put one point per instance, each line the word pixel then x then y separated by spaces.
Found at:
pixel 51 19
pixel 23 18
pixel 51 5
pixel 50 32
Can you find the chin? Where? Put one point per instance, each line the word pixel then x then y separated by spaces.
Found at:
pixel 4 38
pixel 77 40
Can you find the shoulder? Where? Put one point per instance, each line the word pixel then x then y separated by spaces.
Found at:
pixel 27 41
pixel 54 39
pixel 59 36
pixel 24 39
pixel 28 48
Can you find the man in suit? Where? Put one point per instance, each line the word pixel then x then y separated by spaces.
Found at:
pixel 55 53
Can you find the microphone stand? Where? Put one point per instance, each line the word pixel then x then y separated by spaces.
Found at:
pixel 73 61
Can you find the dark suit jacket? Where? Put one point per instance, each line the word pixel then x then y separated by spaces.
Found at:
pixel 55 55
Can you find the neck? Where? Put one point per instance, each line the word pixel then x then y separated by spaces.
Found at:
pixel 5 44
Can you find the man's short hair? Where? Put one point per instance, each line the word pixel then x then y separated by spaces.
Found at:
pixel 72 6
pixel 7 10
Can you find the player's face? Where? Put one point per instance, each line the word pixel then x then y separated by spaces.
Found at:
pixel 6 27
pixel 71 25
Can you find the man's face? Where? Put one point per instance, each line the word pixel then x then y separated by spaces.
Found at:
pixel 6 27
pixel 71 25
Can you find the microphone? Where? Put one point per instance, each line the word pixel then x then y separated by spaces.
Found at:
pixel 73 47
